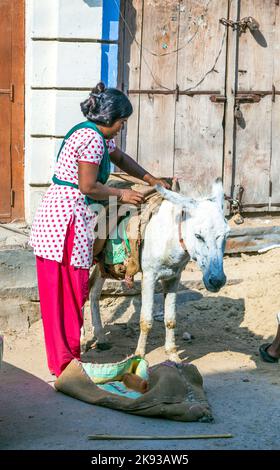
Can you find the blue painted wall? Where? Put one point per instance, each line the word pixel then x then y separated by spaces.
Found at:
pixel 109 52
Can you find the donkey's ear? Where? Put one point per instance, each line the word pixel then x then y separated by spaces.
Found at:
pixel 170 196
pixel 176 198
pixel 218 193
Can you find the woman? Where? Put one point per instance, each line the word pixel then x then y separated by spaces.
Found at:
pixel 62 231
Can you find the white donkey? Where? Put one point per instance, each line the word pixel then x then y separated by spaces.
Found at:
pixel 182 229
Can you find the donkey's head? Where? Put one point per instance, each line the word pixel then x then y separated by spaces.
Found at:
pixel 204 231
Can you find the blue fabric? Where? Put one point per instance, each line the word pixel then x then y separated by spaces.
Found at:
pixel 109 376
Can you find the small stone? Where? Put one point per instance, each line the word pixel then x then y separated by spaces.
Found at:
pixel 159 316
pixel 187 336
pixel 245 380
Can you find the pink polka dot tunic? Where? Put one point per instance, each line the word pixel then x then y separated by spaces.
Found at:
pixel 61 203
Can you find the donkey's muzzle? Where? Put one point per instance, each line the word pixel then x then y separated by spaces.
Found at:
pixel 214 283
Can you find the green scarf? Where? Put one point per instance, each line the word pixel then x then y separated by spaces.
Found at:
pixel 104 167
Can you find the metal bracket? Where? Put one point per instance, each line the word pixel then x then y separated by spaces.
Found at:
pixel 177 92
pixel 248 98
pixel 218 98
pixel 12 199
pixel 8 91
pixel 273 93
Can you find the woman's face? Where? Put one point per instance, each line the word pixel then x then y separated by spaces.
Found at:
pixel 114 129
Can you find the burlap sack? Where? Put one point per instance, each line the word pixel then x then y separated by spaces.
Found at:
pixel 175 392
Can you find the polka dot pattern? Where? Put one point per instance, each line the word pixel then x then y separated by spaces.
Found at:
pixel 61 203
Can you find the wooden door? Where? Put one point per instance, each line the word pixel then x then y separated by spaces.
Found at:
pixel 188 75
pixel 11 109
pixel 257 122
pixel 174 57
pixel 201 70
pixel 275 116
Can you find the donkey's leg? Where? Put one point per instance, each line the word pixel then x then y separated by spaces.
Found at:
pixel 170 287
pixel 97 327
pixel 146 317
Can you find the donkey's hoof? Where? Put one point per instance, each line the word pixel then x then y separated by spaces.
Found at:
pixel 101 345
pixel 86 345
pixel 95 344
pixel 83 348
pixel 174 357
pixel 139 353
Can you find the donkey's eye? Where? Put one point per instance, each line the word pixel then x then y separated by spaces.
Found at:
pixel 199 237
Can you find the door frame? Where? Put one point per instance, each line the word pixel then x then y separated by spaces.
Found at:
pixel 17 112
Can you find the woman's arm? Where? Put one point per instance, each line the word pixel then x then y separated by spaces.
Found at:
pixel 89 186
pixel 130 166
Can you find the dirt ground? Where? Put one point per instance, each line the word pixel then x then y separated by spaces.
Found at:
pixel 227 327
pixel 230 323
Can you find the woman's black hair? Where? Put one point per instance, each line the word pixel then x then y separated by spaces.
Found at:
pixel 106 105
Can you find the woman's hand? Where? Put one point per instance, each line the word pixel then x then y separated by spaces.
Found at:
pixel 153 181
pixel 128 196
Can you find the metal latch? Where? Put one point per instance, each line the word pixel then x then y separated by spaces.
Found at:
pixel 236 205
pixel 247 98
pixel 218 99
pixel 12 202
pixel 241 25
pixel 8 91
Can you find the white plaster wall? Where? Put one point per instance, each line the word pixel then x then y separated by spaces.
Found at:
pixel 65 64
pixel 56 111
pixel 84 16
pixel 43 16
pixel 72 18
pixel 56 64
pixel 42 160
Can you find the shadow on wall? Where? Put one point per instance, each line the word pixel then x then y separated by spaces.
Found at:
pixel 129 33
pixel 127 36
pixel 110 32
pixel 109 52
pixel 259 37
pixel 93 3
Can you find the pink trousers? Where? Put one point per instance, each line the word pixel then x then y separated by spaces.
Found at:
pixel 63 291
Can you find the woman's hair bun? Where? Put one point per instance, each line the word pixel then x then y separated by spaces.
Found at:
pixel 106 105
pixel 99 88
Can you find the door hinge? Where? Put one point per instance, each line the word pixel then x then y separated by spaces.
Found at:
pixel 12 198
pixel 270 188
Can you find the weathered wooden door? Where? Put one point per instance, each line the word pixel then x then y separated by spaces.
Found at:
pixel 255 79
pixel 11 109
pixel 174 60
pixel 188 76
